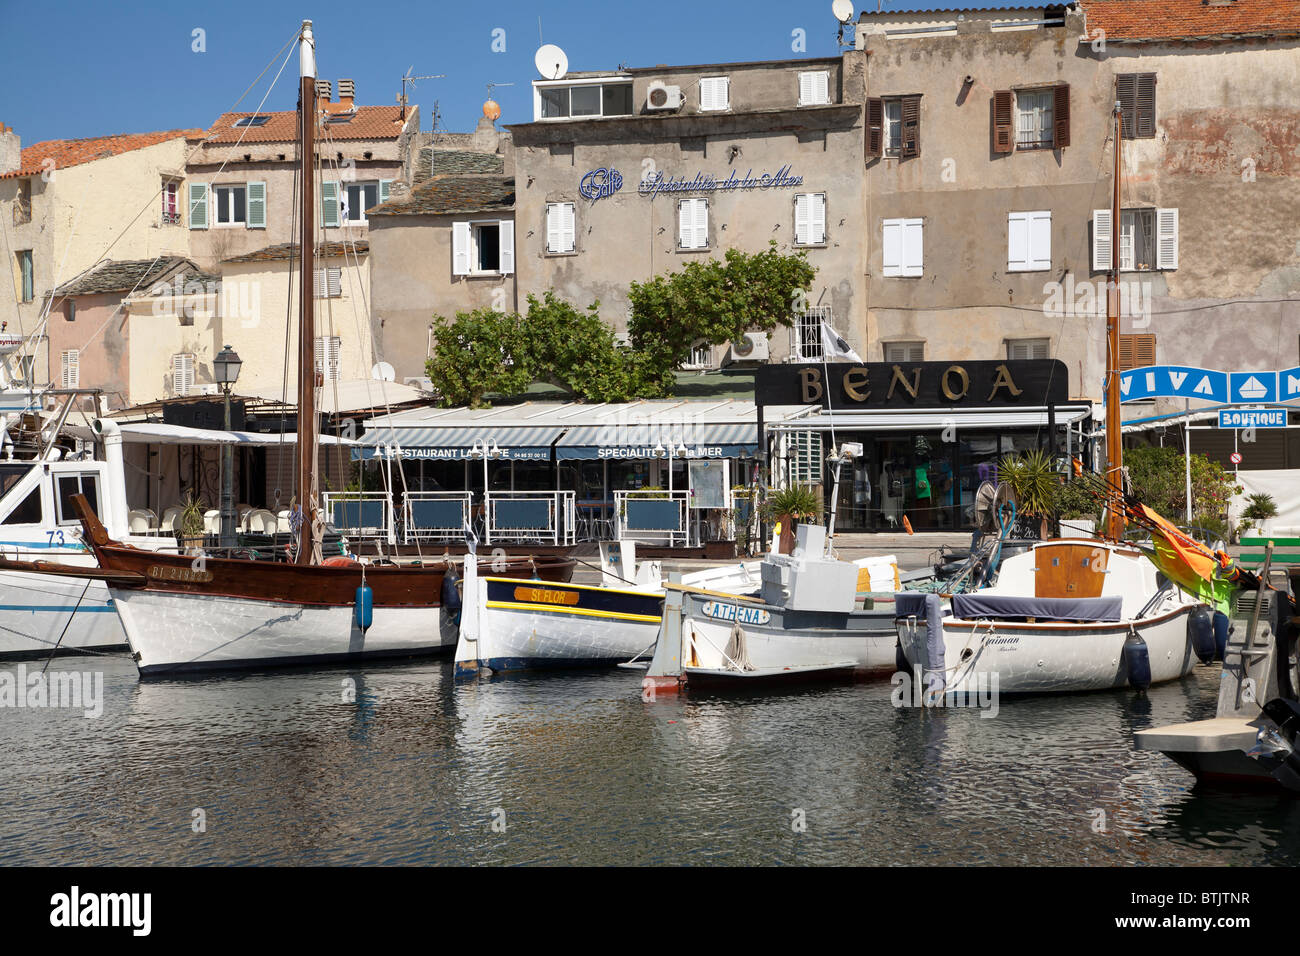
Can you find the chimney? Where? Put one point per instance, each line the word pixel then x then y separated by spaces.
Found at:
pixel 11 150
pixel 347 93
pixel 324 90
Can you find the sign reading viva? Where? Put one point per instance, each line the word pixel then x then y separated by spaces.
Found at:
pixel 605 182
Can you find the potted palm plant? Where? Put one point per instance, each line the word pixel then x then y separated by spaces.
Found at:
pixel 789 507
pixel 1034 483
pixel 190 536
pixel 1260 508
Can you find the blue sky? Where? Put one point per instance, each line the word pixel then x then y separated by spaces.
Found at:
pixel 79 69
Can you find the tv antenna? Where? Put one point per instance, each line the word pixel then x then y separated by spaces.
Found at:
pixel 408 79
pixel 843 12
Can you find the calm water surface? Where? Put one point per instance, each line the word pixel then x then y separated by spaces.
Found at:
pixel 417 768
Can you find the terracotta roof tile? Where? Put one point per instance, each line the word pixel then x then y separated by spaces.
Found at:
pixel 1191 19
pixel 74 152
pixel 289 250
pixel 452 194
pixel 368 122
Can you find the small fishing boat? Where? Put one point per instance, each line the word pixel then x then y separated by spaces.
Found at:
pixel 1068 615
pixel 508 624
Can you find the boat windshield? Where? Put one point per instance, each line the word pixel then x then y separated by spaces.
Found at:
pixel 11 473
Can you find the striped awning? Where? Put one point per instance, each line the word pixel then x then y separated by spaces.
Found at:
pixel 659 440
pixel 445 443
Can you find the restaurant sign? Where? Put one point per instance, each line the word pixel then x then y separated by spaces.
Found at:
pixel 366 453
pixel 885 385
pixel 605 182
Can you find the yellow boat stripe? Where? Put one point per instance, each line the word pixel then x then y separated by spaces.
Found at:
pixel 555 586
pixel 561 609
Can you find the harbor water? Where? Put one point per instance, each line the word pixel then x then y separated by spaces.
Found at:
pixel 402 765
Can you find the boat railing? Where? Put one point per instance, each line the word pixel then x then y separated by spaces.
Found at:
pixel 544 517
pixel 436 515
pixel 653 517
pixel 360 514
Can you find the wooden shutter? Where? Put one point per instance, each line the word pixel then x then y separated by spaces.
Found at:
pixel 817 218
pixel 911 140
pixel 1136 351
pixel 198 205
pixel 256 206
pixel 802 219
pixel 1166 238
pixel 71 372
pixel 507 246
pixel 875 126
pixel 327 283
pixel 1004 130
pixel 713 93
pixel 183 373
pixel 328 349
pixel 891 246
pixel 385 187
pixel 460 248
pixel 329 204
pixel 1061 116
pixel 814 88
pixel 1040 239
pixel 560 232
pixel 1017 241
pixel 1101 248
pixel 913 247
pixel 693 223
pixel 1126 93
pixel 1145 96
pixel 553 227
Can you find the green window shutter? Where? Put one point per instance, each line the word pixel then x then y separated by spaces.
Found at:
pixel 256 206
pixel 198 205
pixel 384 185
pixel 329 204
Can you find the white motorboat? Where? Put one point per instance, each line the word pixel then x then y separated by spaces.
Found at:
pixel 1068 615
pixel 510 624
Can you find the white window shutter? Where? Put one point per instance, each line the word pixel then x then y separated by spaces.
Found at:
pixel 685 223
pixel 329 204
pixel 1166 238
pixel 198 205
pixel 818 219
pixel 1040 240
pixel 1017 241
pixel 507 235
pixel 385 187
pixel 553 227
pixel 70 376
pixel 460 248
pixel 183 373
pixel 1101 251
pixel 913 247
pixel 569 228
pixel 803 216
pixel 892 247
pixel 256 218
pixel 701 224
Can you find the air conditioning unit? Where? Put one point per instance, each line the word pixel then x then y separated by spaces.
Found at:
pixel 752 348
pixel 210 388
pixel 661 96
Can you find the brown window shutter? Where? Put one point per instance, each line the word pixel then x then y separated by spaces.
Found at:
pixel 1136 351
pixel 875 125
pixel 1004 130
pixel 911 114
pixel 1126 93
pixel 1145 105
pixel 1061 117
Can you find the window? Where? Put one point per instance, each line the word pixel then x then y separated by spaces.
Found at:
pixel 256 120
pixel 814 88
pixel 894 126
pixel 183 373
pixel 1029 119
pixel 1136 93
pixel 356 198
pixel 328 282
pixel 693 224
pixel 1022 349
pixel 232 204
pixel 561 233
pixel 483 248
pixel 69 371
pixel 810 219
pixel 23 202
pixel 1029 241
pixel 1148 240
pixel 1136 351
pixel 805 457
pixel 904 352
pixel 26 277
pixel 806 333
pixel 70 310
pixel 584 100
pixel 715 93
pixel 328 348
pixel 28 511
pixel 901 245
pixel 171 214
pixel 70 485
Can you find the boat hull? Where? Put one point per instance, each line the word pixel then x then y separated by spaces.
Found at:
pixel 42 614
pixel 1050 657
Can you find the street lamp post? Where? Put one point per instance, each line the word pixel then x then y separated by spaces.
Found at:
pixel 226 366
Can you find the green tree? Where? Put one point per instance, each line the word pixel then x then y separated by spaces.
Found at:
pixel 713 301
pixel 477 353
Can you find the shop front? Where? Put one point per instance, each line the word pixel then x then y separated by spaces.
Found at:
pixel 931 433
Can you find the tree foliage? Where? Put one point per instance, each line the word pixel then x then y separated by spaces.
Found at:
pixel 713 301
pixel 1159 481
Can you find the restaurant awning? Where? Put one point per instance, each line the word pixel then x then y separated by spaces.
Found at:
pixel 444 443
pixel 706 440
pixel 160 433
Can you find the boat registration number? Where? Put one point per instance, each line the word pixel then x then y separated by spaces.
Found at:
pixel 546 596
pixel 736 612
pixel 162 572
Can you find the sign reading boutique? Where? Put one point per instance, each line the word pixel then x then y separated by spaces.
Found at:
pixel 983 384
pixel 605 182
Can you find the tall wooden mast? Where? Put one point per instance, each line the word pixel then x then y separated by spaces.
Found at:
pixel 1114 438
pixel 306 297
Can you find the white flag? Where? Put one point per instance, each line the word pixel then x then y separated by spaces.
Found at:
pixel 834 347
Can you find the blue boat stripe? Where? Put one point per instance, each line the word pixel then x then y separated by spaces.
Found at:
pixel 84 609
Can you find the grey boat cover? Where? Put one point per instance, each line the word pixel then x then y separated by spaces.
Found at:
pixel 930 607
pixel 1004 606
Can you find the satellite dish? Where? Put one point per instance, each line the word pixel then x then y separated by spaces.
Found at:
pixel 552 62
pixel 843 10
pixel 383 372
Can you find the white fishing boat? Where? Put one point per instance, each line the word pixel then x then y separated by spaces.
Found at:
pixel 509 624
pixel 1068 615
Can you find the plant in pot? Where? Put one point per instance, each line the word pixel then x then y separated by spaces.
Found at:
pixel 790 506
pixel 191 534
pixel 1259 509
pixel 1034 482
